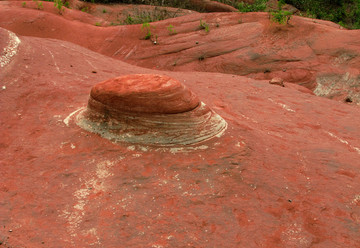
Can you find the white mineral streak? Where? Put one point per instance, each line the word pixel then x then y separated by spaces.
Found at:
pixel 68 118
pixel 344 142
pixel 10 50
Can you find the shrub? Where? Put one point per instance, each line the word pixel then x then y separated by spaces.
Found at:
pixel 59 5
pixel 281 16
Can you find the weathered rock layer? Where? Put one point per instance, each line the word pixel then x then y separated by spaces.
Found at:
pixel 149 109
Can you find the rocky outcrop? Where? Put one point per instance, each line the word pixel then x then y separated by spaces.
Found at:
pixel 149 110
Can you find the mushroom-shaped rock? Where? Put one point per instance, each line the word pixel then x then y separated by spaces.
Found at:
pixel 149 109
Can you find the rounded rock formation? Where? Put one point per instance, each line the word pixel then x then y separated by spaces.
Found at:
pixel 149 109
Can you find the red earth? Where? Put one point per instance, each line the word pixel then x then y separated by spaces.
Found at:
pixel 285 172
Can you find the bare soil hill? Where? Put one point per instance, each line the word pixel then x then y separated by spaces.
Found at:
pixel 284 171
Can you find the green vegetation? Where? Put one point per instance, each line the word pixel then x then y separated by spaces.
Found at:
pixel 104 11
pixel 59 5
pixel 129 20
pixel 97 24
pixel 182 4
pixel 258 5
pixel 205 26
pixel 281 16
pixel 23 4
pixel 147 28
pixel 171 29
pixel 344 12
pixel 85 9
pixel 39 5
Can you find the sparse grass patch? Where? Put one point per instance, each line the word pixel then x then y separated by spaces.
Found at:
pixel 39 5
pixel 258 5
pixel 146 16
pixel 85 9
pixel 147 28
pixel 205 26
pixel 23 4
pixel 182 4
pixel 171 30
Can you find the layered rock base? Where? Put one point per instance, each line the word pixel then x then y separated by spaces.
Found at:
pixel 149 109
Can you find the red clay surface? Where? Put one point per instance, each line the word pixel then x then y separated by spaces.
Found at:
pixel 317 54
pixel 285 173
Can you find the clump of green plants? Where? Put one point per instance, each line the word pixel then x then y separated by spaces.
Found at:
pixel 59 5
pixel 281 16
pixel 147 28
pixel 258 5
pixel 129 20
pixel 97 24
pixel 171 30
pixel 104 11
pixel 23 4
pixel 205 26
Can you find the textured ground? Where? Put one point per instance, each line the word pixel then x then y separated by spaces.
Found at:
pixel 317 54
pixel 285 173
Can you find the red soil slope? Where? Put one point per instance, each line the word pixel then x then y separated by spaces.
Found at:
pixel 317 54
pixel 285 173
